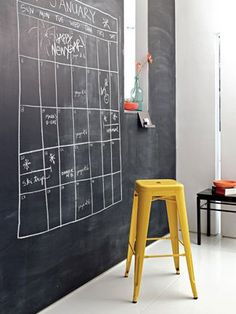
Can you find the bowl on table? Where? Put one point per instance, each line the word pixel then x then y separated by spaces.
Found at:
pixel 224 183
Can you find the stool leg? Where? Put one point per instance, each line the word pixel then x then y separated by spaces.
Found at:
pixel 144 207
pixel 132 233
pixel 181 207
pixel 173 226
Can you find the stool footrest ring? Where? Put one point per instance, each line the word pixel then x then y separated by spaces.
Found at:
pixel 159 238
pixel 165 255
pixel 163 238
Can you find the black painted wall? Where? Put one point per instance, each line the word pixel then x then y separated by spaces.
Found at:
pixel 37 271
pixel 162 82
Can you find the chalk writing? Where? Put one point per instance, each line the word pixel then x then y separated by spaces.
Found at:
pixel 34 180
pixel 81 207
pixel 50 119
pixel 81 134
pixel 81 172
pixel 78 94
pixel 65 45
pixel 104 90
pixel 68 173
pixel 75 8
pixel 44 15
pixel 27 9
pixel 113 130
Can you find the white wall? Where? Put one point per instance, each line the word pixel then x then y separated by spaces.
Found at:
pixel 196 26
pixel 142 44
pixel 136 45
pixel 228 57
pixel 129 45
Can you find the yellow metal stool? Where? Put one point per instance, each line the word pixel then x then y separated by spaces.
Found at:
pixel 172 192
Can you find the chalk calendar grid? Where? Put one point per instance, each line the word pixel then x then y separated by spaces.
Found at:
pixel 69 116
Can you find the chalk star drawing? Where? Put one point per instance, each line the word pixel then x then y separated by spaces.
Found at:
pixel 105 23
pixel 52 159
pixel 115 117
pixel 26 164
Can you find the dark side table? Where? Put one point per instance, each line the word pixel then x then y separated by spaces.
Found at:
pixel 204 201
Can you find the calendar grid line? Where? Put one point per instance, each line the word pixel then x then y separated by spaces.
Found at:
pixel 58 134
pixel 75 108
pixel 89 148
pixel 119 104
pixel 109 66
pixel 19 123
pixel 42 129
pixel 73 127
pixel 69 145
pixel 68 65
pixel 99 99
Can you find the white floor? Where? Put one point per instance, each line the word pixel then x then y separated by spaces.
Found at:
pixel 163 291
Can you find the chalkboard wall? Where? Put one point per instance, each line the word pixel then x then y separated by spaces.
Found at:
pixel 69 156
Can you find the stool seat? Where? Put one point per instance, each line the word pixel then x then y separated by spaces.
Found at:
pixel 157 183
pixel 147 191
